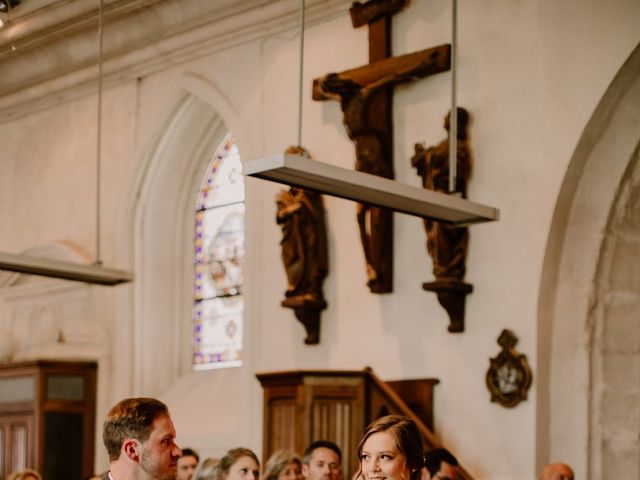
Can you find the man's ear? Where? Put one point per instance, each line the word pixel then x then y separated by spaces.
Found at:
pixel 305 470
pixel 131 447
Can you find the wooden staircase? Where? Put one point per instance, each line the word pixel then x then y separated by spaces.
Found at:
pixel 305 405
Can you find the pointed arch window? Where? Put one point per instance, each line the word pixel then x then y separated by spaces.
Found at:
pixel 219 252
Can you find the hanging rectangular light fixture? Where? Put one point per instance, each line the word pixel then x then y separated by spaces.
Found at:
pixel 46 267
pixel 300 171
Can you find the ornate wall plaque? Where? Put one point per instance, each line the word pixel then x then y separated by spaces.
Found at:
pixel 509 375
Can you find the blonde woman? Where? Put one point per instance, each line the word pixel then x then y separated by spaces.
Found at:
pixel 283 465
pixel 207 470
pixel 239 464
pixel 26 474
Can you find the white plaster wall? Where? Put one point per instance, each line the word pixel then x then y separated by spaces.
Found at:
pixel 531 73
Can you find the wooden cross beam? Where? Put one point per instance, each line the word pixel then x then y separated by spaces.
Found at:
pixel 418 64
pixel 366 97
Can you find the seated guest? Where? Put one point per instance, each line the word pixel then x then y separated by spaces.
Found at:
pixel 140 439
pixel 391 448
pixel 441 464
pixel 322 460
pixel 556 471
pixel 283 465
pixel 99 476
pixel 187 464
pixel 26 474
pixel 207 470
pixel 239 464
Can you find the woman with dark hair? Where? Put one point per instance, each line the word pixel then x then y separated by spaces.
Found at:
pixel 391 448
pixel 283 465
pixel 239 464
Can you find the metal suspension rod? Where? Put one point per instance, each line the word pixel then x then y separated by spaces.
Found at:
pixel 453 116
pixel 99 134
pixel 301 67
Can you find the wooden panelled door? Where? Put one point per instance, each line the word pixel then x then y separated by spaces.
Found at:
pixel 16 443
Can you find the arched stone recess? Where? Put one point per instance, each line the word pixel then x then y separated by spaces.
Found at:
pixel 162 219
pixel 568 291
pixel 614 448
pixel 163 234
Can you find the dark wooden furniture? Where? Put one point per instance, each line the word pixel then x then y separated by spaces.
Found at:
pixel 303 406
pixel 47 418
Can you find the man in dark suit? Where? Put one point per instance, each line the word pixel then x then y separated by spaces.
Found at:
pixel 140 438
pixel 441 464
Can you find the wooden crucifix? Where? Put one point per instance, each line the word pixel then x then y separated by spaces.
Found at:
pixel 366 97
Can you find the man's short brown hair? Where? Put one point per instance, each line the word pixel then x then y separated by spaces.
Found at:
pixel 130 418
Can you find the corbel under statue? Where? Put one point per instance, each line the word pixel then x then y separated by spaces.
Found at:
pixel 447 244
pixel 301 215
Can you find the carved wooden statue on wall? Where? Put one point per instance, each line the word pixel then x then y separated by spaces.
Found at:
pixel 304 253
pixel 365 95
pixel 447 244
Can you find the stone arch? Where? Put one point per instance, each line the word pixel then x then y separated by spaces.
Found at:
pixel 571 269
pixel 161 230
pixel 614 446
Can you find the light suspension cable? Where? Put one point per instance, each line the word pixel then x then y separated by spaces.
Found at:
pixel 301 68
pixel 453 114
pixel 99 133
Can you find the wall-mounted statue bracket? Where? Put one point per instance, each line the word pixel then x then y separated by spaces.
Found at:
pixel 451 296
pixel 365 95
pixel 301 215
pixel 447 244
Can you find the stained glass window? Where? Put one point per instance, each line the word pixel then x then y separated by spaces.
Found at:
pixel 219 252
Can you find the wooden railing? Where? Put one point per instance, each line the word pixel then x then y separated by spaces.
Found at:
pixel 303 406
pixel 382 388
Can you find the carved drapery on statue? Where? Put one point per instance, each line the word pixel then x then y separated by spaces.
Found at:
pixel 301 215
pixel 447 244
pixel 365 95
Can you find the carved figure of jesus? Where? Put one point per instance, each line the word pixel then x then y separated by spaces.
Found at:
pixel 371 157
pixel 447 244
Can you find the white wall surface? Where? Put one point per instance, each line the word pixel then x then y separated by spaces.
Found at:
pixel 531 74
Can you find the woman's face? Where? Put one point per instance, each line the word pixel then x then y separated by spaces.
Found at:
pixel 381 459
pixel 245 468
pixel 290 472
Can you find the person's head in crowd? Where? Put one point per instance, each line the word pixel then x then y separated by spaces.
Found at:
pixel 140 440
pixel 207 469
pixel 441 464
pixel 98 476
pixel 283 465
pixel 322 460
pixel 239 464
pixel 391 447
pixel 26 474
pixel 556 471
pixel 187 464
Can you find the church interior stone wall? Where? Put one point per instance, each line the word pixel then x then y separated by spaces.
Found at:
pixel 531 73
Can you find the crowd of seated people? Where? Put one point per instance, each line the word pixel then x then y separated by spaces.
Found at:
pixel 139 436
